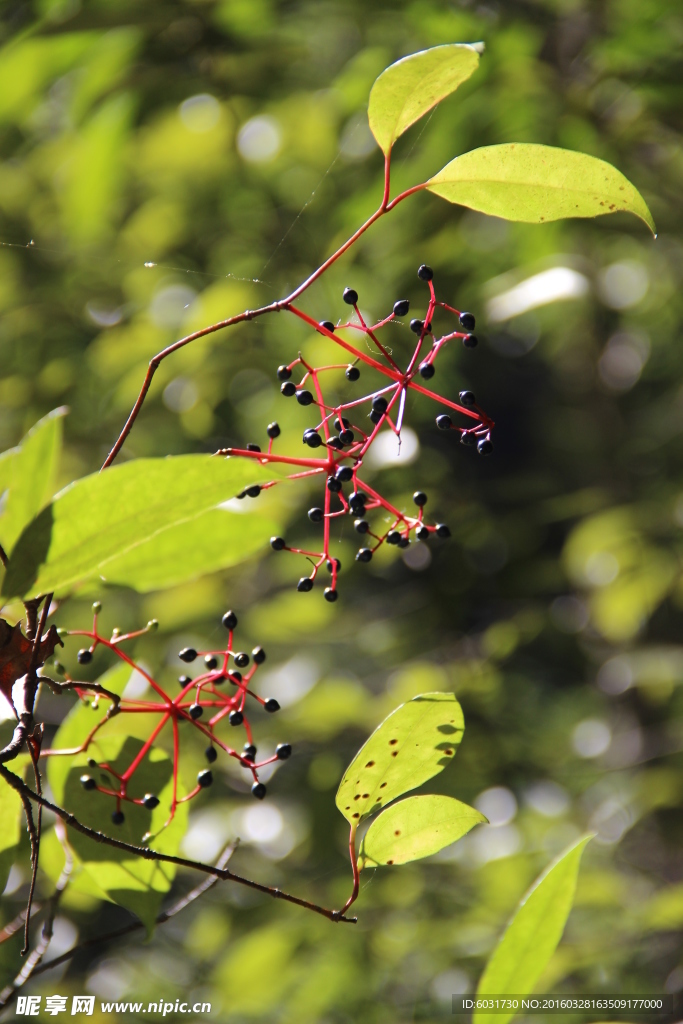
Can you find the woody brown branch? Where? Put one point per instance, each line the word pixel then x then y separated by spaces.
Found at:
pixel 146 853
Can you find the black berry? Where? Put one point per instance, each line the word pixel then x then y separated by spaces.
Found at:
pixel 249 752
pixel 346 437
pixel 229 620
pixel 422 533
pixel 312 438
pixel 118 817
pixel 485 447
pixel 333 484
pixel 404 542
pixel 88 782
pixel 304 585
pixel 330 594
pixel 468 438
pixel 288 389
pixel 259 655
pixel 350 296
pixel 344 474
pixel 258 790
pixel 401 307
pixel 187 654
pixel 205 778
pixel 444 422
pixel 235 677
pixel 150 801
pixel 335 443
pixel 363 555
pixel 196 711
pixel 361 526
pixel 470 341
pixel 283 751
pixel 235 718
pixel 304 397
pixel 253 448
pixel 379 404
pixel 333 563
pixel 271 705
pixel 211 661
pixel 253 491
pixel 341 423
pixel 467 398
pixel 283 372
pixel 442 531
pixel 420 499
pixel 467 321
pixel 241 659
pixel 426 370
pixel 273 429
pixel 316 515
pixel 416 326
pixel 277 543
pixel 375 416
pixel 393 537
pixel 357 499
pixel 352 373
pixel 210 754
pixel 84 656
pixel 327 324
pixel 184 680
pixel 425 273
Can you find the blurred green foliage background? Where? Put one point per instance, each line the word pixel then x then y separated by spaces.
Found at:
pixel 225 143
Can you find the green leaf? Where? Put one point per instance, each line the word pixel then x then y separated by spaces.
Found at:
pixel 117 875
pixel 526 182
pixel 10 829
pixel 414 828
pixel 412 745
pixel 533 934
pixel 105 515
pixel 415 84
pixel 215 540
pixel 28 473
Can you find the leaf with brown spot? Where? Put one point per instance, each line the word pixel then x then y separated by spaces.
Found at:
pixel 403 752
pixel 417 827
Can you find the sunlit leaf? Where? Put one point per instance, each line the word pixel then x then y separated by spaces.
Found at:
pixel 105 515
pixel 533 934
pixel 412 745
pixel 28 473
pixel 415 84
pixel 214 540
pixel 414 828
pixel 527 182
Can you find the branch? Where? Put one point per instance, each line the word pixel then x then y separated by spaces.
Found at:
pixel 148 854
pixel 32 964
pixel 251 314
pixel 136 926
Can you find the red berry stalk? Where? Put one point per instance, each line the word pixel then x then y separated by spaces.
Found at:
pixel 347 439
pixel 217 694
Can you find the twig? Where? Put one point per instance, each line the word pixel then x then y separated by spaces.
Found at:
pixel 12 927
pixel 136 926
pixel 32 964
pixel 146 853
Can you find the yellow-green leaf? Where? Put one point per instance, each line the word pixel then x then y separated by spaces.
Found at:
pixel 105 515
pixel 414 828
pixel 412 745
pixel 533 934
pixel 28 473
pixel 415 84
pixel 527 182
